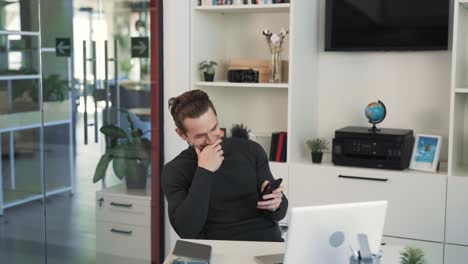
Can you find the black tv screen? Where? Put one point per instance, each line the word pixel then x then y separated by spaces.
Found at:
pixel 360 25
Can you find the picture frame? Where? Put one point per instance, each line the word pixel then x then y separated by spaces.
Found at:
pixel 426 150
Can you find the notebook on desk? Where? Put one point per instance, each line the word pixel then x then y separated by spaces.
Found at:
pixel 270 259
pixel 189 252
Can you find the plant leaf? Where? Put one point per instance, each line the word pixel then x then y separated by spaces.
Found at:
pixel 130 121
pixel 113 131
pixel 101 167
pixel 119 165
pixel 137 133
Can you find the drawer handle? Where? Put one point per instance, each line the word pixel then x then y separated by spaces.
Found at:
pixel 121 205
pixel 363 178
pixel 125 232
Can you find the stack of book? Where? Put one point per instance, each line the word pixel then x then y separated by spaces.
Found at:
pixel 240 2
pixel 278 146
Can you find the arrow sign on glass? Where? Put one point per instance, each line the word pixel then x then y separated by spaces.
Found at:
pixel 140 47
pixel 63 47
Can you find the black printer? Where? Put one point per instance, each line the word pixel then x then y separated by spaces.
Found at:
pixel 363 147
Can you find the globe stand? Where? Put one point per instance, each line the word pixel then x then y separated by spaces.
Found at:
pixel 374 128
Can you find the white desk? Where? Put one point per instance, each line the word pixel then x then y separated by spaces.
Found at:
pixel 235 252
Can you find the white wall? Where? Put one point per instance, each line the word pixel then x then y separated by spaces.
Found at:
pixel 176 79
pixel 415 87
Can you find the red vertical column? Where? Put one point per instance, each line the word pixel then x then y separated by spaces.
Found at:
pixel 156 130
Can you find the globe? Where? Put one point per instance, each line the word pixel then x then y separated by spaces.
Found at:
pixel 375 113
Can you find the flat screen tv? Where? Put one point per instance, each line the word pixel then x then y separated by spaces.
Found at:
pixel 365 25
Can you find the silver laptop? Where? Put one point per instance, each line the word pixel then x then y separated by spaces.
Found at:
pixel 326 234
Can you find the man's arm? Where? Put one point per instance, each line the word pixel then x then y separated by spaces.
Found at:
pixel 189 197
pixel 264 173
pixel 188 202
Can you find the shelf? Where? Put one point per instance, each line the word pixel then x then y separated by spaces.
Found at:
pixel 12 198
pixel 23 33
pixel 230 9
pixel 48 49
pixel 19 77
pixel 55 113
pixel 461 90
pixel 243 85
pixel 464 3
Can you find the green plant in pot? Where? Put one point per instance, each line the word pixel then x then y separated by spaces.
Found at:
pixel 208 69
pixel 130 155
pixel 55 89
pixel 412 255
pixel 316 147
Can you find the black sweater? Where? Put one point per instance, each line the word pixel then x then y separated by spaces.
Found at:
pixel 222 204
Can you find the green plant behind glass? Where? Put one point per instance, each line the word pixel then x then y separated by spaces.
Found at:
pixel 54 89
pixel 128 152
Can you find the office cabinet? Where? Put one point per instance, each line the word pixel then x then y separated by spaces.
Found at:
pixel 413 197
pixel 123 223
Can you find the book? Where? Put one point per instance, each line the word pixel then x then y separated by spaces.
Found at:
pixel 273 145
pixel 280 146
pixel 189 252
pixel 285 147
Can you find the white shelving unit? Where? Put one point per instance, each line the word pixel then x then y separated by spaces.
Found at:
pixel 456 237
pixel 49 114
pixel 222 33
pixel 426 209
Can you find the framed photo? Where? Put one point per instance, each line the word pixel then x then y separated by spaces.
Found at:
pixel 426 152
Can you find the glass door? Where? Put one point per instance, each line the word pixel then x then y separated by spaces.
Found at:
pixel 97 150
pixel 74 131
pixel 22 182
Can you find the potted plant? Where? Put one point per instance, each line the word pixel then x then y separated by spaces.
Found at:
pixel 208 69
pixel 412 255
pixel 130 155
pixel 55 89
pixel 317 146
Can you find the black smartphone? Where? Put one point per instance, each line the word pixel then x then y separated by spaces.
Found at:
pixel 271 186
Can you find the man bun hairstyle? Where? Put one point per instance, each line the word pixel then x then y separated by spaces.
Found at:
pixel 191 104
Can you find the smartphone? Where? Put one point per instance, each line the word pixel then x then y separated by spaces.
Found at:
pixel 271 186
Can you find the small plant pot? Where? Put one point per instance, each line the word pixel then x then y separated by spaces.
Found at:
pixel 317 157
pixel 208 77
pixel 136 177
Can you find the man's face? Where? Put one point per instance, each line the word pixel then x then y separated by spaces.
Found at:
pixel 201 131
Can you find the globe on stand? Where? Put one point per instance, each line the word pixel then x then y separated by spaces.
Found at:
pixel 375 113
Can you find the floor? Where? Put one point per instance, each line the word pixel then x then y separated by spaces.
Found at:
pixel 70 218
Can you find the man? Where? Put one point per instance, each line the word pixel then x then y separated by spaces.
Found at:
pixel 213 187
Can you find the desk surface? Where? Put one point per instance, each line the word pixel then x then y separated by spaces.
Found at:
pixel 235 252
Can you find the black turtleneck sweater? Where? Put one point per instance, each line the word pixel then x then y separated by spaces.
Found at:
pixel 222 204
